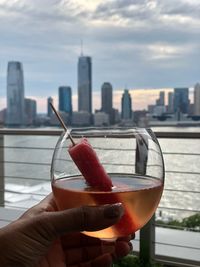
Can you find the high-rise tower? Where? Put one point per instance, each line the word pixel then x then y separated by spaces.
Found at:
pixel 85 84
pixel 30 106
pixel 15 94
pixel 126 105
pixel 181 100
pixel 49 109
pixel 161 98
pixel 170 108
pixel 65 99
pixel 197 99
pixel 106 100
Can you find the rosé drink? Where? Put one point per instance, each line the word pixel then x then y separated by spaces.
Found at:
pixel 106 166
pixel 140 197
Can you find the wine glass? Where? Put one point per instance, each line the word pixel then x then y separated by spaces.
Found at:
pixel 133 160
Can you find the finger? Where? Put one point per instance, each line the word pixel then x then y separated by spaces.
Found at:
pixel 133 236
pixel 127 238
pixel 77 239
pixel 55 255
pixel 85 218
pixel 84 254
pixel 87 253
pixel 47 204
pixel 101 261
pixel 122 249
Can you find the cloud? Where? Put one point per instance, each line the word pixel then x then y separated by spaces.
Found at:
pixel 182 8
pixel 138 43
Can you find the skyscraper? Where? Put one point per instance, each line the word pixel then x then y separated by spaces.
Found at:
pixel 106 101
pixel 30 111
pixel 85 84
pixel 126 105
pixel 15 94
pixel 49 109
pixel 197 99
pixel 181 100
pixel 162 98
pixel 170 107
pixel 65 99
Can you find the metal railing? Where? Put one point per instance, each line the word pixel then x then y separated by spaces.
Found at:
pixel 148 240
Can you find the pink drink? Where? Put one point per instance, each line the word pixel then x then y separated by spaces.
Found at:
pixel 139 195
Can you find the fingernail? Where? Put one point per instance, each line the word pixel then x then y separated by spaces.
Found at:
pixel 113 211
pixel 133 236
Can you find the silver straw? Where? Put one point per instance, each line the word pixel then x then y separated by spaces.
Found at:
pixel 62 123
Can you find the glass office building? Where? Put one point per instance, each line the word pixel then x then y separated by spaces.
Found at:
pixel 15 94
pixel 65 99
pixel 85 84
pixel 126 105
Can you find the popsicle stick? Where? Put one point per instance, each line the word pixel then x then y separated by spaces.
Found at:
pixel 62 123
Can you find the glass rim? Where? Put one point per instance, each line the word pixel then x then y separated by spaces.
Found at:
pixel 108 131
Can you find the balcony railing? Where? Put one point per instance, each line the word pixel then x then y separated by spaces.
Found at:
pixel 171 246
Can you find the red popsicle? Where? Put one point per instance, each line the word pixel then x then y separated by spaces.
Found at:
pixel 95 175
pixel 89 165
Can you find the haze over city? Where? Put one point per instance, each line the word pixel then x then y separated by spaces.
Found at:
pixel 133 44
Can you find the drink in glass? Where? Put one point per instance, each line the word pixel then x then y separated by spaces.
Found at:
pixel 133 160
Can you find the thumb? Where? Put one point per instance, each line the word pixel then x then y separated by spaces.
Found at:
pixel 85 218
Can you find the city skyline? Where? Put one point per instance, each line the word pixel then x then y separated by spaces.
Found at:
pixel 139 98
pixel 85 78
pixel 23 111
pixel 133 44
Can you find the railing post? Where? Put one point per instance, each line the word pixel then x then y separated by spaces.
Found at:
pixel 147 242
pixel 1 170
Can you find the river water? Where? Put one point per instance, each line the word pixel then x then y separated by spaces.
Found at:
pixel 181 189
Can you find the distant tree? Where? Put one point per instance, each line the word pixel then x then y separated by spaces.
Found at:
pixel 192 221
pixel 133 261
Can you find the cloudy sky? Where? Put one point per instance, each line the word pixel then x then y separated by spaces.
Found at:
pixel 136 44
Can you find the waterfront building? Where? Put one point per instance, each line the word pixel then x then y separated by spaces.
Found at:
pixel 106 101
pixel 65 99
pixel 85 84
pixel 170 107
pixel 159 110
pixel 101 119
pixel 30 111
pixel 65 117
pixel 197 99
pixel 126 104
pixel 15 94
pixel 181 100
pixel 81 118
pixel 150 108
pixel 116 115
pixel 49 109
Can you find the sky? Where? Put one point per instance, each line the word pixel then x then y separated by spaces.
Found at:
pixel 137 44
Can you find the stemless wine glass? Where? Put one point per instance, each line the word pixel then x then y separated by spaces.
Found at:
pixel 131 157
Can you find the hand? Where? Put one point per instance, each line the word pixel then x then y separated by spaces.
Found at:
pixel 45 237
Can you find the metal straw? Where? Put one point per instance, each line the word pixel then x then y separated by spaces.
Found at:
pixel 62 123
